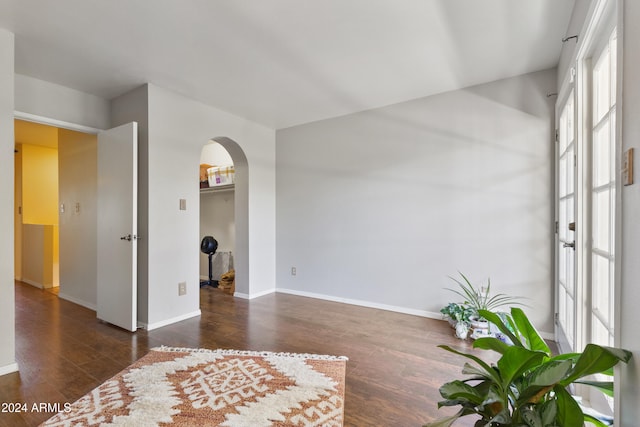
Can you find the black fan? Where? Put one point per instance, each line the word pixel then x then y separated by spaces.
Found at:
pixel 209 246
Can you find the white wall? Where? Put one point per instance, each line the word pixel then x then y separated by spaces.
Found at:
pixel 7 299
pixel 629 378
pixel 53 101
pixel 34 258
pixel 569 48
pixel 215 154
pixel 77 165
pixel 177 130
pixel 381 206
pixel 178 127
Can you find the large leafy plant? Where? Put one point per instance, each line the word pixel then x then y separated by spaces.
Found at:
pixel 527 387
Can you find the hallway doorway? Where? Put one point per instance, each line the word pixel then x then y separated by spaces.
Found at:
pixel 55 210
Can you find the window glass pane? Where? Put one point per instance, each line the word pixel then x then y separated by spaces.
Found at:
pixel 614 62
pixel 570 217
pixel 601 293
pixel 562 132
pixel 562 177
pixel 570 320
pixel 601 87
pixel 570 170
pixel 601 155
pixel 569 253
pixel 600 334
pixel 601 218
pixel 612 140
pixel 570 112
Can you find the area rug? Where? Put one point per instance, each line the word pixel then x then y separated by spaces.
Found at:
pixel 199 387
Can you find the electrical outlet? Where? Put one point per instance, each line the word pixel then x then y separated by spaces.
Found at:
pixel 182 288
pixel 293 271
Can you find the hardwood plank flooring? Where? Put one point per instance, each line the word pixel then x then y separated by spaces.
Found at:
pixel 392 379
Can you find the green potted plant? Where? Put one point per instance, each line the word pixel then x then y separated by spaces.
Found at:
pixel 458 316
pixel 479 298
pixel 527 387
pixel 455 313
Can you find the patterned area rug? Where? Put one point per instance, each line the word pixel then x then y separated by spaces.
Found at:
pixel 197 387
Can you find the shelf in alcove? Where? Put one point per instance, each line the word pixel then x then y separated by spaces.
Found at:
pixel 218 188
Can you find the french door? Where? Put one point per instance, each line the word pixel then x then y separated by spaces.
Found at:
pixel 566 162
pixel 603 192
pixel 586 153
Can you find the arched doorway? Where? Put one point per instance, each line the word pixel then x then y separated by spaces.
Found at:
pixel 238 195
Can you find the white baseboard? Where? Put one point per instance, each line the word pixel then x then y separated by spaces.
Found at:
pixel 8 369
pixel 156 325
pixel 256 295
pixel 397 309
pixel 32 283
pixel 78 301
pixel 547 335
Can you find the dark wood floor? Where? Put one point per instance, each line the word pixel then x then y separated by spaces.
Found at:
pixel 393 373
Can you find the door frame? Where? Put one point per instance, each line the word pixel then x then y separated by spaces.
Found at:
pixel 19 115
pixel 28 117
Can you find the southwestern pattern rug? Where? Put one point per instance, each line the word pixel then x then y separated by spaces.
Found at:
pixel 199 387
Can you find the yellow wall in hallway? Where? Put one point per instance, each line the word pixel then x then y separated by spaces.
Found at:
pixel 39 185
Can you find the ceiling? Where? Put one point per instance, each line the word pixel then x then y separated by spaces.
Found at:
pixel 285 62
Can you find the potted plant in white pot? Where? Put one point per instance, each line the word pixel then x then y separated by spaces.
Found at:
pixel 458 316
pixel 480 298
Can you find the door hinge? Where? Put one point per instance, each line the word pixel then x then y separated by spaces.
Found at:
pixel 557 227
pixel 556 318
pixel 556 135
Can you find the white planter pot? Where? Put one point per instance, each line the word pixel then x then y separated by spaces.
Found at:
pixel 480 327
pixel 462 330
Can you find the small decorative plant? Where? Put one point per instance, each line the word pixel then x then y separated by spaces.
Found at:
pixel 477 299
pixel 527 387
pixel 457 312
pixel 480 298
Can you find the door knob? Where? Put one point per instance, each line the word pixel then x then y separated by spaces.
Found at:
pixel 127 237
pixel 571 245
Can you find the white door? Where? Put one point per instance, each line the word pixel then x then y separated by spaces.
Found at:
pixel 603 191
pixel 117 226
pixel 566 201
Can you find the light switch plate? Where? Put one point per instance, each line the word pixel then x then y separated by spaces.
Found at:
pixel 183 204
